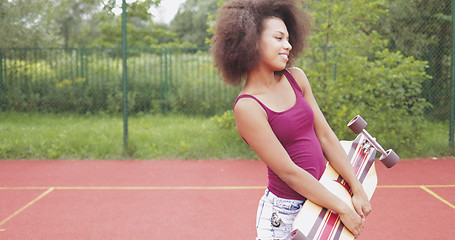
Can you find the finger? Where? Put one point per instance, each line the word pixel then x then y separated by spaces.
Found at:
pixel 359 210
pixel 357 232
pixel 367 210
pixel 359 227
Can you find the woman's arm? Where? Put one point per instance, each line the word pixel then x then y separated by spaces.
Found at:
pixel 333 151
pixel 252 124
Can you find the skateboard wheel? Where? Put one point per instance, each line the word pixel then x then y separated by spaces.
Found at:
pixel 296 235
pixel 390 158
pixel 357 124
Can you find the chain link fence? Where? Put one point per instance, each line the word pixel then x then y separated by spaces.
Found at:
pixel 88 81
pixel 423 29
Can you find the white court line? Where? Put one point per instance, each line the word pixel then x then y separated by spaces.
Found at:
pixel 26 206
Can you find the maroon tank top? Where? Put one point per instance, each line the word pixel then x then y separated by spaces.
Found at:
pixel 294 128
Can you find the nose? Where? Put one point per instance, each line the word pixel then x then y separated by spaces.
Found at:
pixel 287 45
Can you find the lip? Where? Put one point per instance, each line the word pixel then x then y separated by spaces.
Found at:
pixel 284 54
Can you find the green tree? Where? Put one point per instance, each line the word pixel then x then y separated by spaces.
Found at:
pixel 52 23
pixel 141 30
pixel 190 22
pixel 139 22
pixel 27 23
pixel 352 72
pixel 79 23
pixel 422 28
pixel 75 18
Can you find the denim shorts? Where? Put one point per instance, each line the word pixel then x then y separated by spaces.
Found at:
pixel 275 216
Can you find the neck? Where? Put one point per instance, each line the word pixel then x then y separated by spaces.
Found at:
pixel 260 78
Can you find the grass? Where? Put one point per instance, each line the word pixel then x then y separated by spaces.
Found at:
pixel 33 136
pixel 183 137
pixel 435 141
pixel 70 136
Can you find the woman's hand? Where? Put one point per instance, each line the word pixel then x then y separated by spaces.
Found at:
pixel 352 221
pixel 361 203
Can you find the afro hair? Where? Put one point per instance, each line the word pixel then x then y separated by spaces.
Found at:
pixel 239 26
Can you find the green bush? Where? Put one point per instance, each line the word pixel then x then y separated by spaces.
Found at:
pixel 385 91
pixel 225 121
pixel 355 74
pixel 90 81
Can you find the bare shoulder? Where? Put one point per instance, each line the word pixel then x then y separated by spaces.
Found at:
pixel 296 71
pixel 245 104
pixel 301 78
pixel 247 108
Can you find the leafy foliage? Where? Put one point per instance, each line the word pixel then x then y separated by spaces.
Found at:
pixel 84 23
pixel 26 23
pixel 384 87
pixel 190 23
pixel 423 29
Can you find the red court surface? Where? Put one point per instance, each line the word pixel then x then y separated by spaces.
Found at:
pixel 198 200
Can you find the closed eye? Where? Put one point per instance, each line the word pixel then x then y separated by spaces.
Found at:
pixel 281 35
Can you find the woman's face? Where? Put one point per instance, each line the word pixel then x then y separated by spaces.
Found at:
pixel 274 44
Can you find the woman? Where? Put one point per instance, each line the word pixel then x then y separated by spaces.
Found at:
pixel 277 115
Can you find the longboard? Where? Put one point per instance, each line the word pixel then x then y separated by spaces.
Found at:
pixel 316 222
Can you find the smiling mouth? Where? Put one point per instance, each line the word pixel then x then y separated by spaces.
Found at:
pixel 284 55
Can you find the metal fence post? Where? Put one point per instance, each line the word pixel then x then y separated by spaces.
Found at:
pixel 452 93
pixel 125 83
pixel 81 58
pixel 166 72
pixel 1 80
